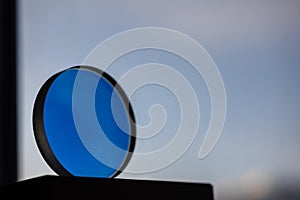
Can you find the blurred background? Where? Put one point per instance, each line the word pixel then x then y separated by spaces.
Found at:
pixel 256 47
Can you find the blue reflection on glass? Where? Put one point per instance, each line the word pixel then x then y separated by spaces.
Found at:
pixel 61 131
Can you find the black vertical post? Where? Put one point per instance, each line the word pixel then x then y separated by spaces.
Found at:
pixel 8 123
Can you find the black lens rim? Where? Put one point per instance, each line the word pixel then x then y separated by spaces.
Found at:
pixel 39 128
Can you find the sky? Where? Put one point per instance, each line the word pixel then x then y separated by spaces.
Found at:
pixel 256 48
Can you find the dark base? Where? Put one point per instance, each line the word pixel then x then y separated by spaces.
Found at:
pixel 62 188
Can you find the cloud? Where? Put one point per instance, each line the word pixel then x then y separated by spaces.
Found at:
pixel 258 184
pixel 253 184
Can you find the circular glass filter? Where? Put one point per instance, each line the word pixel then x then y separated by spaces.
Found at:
pixel 83 123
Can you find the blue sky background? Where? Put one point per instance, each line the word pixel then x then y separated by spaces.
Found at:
pixel 256 46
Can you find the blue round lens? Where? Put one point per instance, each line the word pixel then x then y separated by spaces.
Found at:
pixel 92 137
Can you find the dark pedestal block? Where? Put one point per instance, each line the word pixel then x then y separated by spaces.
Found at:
pixel 52 187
